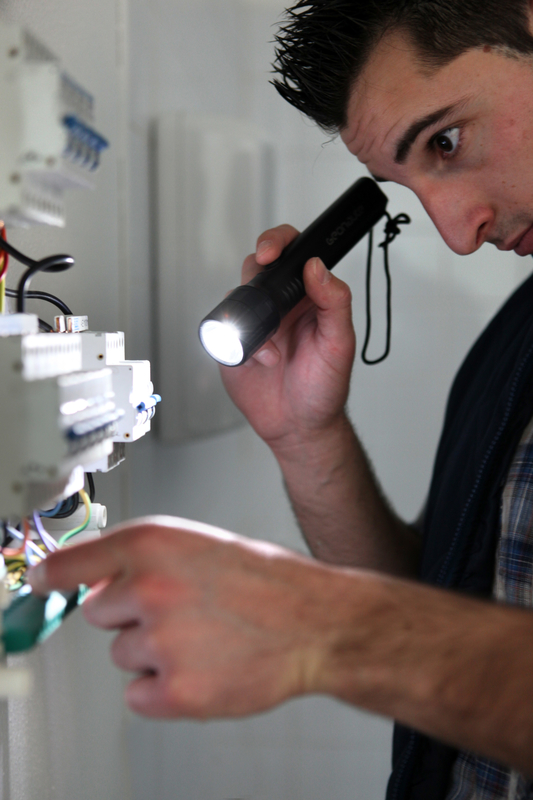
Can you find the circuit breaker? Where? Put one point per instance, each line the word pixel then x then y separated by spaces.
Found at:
pixel 48 143
pixel 56 419
pixel 132 384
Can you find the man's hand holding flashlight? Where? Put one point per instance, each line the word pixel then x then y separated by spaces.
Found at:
pixel 296 385
pixel 294 392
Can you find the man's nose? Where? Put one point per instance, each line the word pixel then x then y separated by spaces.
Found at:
pixel 463 219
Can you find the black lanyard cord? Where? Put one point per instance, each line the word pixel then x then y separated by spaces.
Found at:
pixel 392 229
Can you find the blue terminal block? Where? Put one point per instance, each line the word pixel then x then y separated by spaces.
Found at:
pixel 84 143
pixel 146 409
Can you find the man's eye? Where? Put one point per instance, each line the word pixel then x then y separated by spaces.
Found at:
pixel 448 141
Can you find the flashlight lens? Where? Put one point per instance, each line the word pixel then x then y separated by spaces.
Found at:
pixel 222 342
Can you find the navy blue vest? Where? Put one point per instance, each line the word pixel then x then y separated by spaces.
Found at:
pixel 490 404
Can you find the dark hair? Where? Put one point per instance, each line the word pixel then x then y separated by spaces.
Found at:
pixel 323 45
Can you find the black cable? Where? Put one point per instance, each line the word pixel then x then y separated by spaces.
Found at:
pixel 6 536
pixel 71 504
pixel 57 263
pixel 68 508
pixel 90 484
pixel 46 296
pixel 392 229
pixel 7 247
pixel 45 327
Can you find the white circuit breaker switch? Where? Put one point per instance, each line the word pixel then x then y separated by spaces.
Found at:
pixel 61 423
pixel 134 392
pixel 18 324
pixel 55 419
pixel 40 355
pixel 47 140
pixel 102 349
pixel 109 462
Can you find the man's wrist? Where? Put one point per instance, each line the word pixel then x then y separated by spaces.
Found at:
pixel 348 632
pixel 315 444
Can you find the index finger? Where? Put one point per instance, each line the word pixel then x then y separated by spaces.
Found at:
pixel 86 563
pixel 269 246
pixel 272 242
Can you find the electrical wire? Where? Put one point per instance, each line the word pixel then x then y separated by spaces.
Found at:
pixel 90 484
pixel 6 536
pixel 71 504
pixel 31 545
pixel 69 507
pixel 51 511
pixel 4 263
pixel 5 260
pixel 85 523
pixel 10 551
pixel 31 559
pixel 57 263
pixel 48 541
pixel 46 296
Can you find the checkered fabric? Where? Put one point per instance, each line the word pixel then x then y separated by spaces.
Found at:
pixel 476 778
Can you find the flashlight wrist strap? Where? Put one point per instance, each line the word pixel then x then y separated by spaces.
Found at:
pixel 392 230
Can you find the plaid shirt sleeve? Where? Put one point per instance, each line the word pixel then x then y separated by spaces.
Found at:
pixel 476 778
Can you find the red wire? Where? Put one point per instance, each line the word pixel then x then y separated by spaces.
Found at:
pixel 5 256
pixel 9 551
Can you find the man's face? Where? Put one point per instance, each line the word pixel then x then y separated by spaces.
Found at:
pixel 460 138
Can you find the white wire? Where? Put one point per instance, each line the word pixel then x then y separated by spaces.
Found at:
pixel 30 545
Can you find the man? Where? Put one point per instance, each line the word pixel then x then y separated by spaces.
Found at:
pixel 437 96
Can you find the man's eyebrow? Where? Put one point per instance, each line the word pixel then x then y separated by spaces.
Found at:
pixel 405 143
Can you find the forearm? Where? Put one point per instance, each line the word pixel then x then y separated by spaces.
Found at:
pixel 457 669
pixel 209 607
pixel 341 510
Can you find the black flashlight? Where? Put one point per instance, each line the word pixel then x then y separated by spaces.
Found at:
pixel 252 313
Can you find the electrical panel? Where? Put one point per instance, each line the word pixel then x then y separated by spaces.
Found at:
pixel 71 402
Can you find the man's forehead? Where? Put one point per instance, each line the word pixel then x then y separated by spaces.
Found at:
pixel 387 93
pixel 395 99
pixel 375 101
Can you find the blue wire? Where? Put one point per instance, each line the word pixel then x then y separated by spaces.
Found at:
pixel 53 511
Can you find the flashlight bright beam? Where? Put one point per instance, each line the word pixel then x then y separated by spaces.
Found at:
pixel 252 313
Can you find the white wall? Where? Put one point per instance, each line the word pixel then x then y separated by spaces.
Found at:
pixel 140 57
